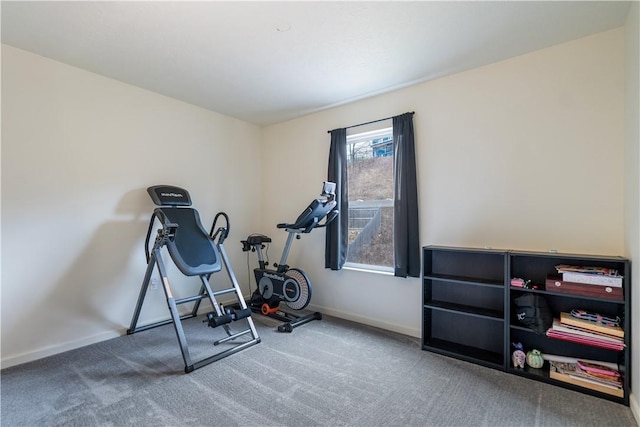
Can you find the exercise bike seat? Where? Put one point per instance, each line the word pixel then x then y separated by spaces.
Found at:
pixel 258 239
pixel 191 248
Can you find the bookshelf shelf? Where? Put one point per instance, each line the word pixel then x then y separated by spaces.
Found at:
pixel 466 310
pixel 474 281
pixel 469 313
pixel 470 354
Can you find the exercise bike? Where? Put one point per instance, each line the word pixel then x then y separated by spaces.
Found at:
pixel 285 284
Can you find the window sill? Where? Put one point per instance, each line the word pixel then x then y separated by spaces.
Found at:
pixel 388 271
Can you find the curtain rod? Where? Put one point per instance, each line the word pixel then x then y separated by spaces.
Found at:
pixel 373 121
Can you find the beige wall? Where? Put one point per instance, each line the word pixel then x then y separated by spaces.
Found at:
pixel 527 153
pixel 78 151
pixel 524 154
pixel 632 182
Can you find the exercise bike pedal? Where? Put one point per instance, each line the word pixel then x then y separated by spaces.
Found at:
pixel 285 327
pixel 266 309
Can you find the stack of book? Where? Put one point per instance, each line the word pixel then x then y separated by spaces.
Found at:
pixel 590 275
pixel 598 282
pixel 573 329
pixel 598 376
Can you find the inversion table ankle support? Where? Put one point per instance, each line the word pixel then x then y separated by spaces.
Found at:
pixel 195 253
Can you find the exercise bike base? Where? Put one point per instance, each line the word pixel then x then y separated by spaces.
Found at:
pixel 289 326
pixel 291 321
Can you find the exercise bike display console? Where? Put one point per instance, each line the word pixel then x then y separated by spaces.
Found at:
pixel 284 284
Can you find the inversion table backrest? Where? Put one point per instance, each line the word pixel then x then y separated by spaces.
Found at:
pixel 191 249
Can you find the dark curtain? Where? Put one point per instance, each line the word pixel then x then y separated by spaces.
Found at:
pixel 405 214
pixel 337 237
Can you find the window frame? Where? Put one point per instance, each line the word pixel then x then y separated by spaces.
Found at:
pixel 383 129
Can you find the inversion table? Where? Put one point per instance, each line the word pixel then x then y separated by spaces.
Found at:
pixel 195 253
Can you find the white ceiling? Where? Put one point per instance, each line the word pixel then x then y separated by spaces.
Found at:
pixel 266 62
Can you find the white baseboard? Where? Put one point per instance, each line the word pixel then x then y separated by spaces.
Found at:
pixel 30 356
pixel 52 350
pixel 635 407
pixel 401 329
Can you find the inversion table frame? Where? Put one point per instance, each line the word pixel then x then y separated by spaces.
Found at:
pixel 196 254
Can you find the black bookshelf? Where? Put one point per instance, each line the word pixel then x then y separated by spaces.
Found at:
pixel 464 304
pixel 469 314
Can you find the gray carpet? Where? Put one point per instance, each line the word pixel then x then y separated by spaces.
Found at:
pixel 326 373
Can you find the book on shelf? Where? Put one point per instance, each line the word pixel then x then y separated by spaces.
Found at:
pixel 590 275
pixel 560 327
pixel 567 359
pixel 558 331
pixel 572 373
pixel 593 279
pixel 555 283
pixel 604 271
pixel 568 319
pixel 598 370
pixel 584 340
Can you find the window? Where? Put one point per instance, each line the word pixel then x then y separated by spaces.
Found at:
pixel 370 183
pixel 366 150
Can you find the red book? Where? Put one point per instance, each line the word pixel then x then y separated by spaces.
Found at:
pixel 585 340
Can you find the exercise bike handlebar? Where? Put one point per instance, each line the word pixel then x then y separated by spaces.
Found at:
pixel 315 223
pixel 317 210
pixel 330 217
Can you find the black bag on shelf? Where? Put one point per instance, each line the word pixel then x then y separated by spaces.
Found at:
pixel 533 312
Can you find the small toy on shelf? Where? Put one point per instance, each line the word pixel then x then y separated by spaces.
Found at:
pixel 535 359
pixel 517 282
pixel 518 357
